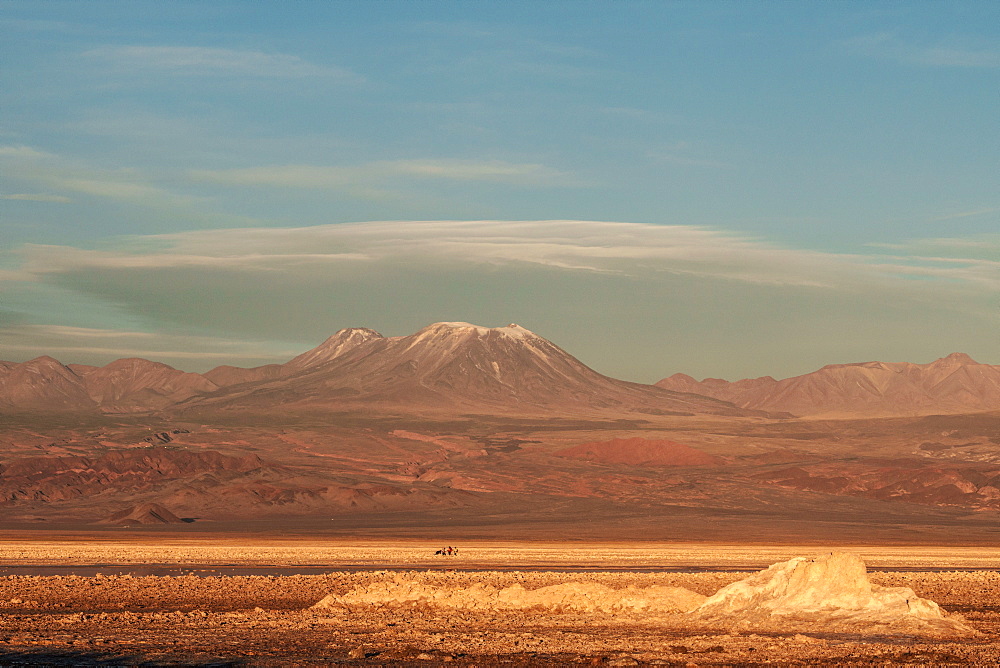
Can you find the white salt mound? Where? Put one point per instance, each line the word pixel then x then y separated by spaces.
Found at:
pixel 829 593
pixel 570 596
pixel 832 590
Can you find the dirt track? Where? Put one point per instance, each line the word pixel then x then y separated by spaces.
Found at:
pixel 265 620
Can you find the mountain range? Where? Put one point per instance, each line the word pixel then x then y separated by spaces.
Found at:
pixel 496 432
pixel 950 385
pixel 447 367
pixel 462 369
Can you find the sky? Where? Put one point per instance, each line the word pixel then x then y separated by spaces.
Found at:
pixel 723 189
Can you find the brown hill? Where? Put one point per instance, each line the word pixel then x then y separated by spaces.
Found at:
pixel 639 452
pixel 123 386
pixel 42 384
pixel 226 375
pixel 144 513
pixel 966 485
pixel 950 385
pixel 333 347
pixel 134 384
pixel 202 484
pixel 455 367
pixel 48 479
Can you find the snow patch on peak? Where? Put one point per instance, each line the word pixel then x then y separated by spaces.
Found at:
pixel 516 331
pixel 357 332
pixel 339 343
pixel 512 330
pixel 456 325
pixel 956 358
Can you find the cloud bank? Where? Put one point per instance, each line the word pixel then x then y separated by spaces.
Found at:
pixel 626 249
pixel 635 300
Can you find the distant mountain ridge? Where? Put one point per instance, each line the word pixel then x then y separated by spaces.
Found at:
pixel 452 367
pixel 462 368
pixel 333 347
pixel 124 386
pixel 952 384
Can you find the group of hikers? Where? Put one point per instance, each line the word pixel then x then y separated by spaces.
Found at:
pixel 448 551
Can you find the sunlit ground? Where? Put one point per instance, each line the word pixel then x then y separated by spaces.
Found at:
pixel 127 614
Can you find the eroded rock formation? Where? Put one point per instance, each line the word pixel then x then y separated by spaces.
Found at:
pixel 832 590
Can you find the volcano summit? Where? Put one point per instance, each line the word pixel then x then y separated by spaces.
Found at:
pixel 451 368
pixel 448 366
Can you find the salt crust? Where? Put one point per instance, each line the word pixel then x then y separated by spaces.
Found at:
pixel 832 590
pixel 570 596
pixel 831 593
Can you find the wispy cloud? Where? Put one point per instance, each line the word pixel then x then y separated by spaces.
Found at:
pixel 37 197
pixel 43 259
pixel 37 25
pixel 63 173
pixel 687 161
pixel 61 340
pixel 637 114
pixel 626 249
pixel 24 152
pixel 207 61
pixel 985 211
pixel 12 276
pixel 958 53
pixel 52 172
pixel 990 242
pixel 979 253
pixel 84 332
pixel 475 171
pixel 320 176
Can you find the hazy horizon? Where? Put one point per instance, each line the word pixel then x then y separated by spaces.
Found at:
pixel 192 364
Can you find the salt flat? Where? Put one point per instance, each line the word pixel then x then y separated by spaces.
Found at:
pixel 267 619
pixel 484 555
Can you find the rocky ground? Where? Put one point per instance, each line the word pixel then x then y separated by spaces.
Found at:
pixel 267 621
pixel 925 480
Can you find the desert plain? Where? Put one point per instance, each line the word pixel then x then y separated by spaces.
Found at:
pixel 163 598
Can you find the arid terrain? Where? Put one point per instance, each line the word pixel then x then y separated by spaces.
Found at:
pixel 150 516
pixel 929 480
pixel 171 600
pixel 955 383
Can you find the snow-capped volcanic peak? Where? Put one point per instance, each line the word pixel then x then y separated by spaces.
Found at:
pixel 511 330
pixel 354 335
pixel 957 359
pixel 444 340
pixel 516 331
pixel 336 345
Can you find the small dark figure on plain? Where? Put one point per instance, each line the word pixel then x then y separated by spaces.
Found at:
pixel 449 550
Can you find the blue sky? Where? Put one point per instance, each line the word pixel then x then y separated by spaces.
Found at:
pixel 720 188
